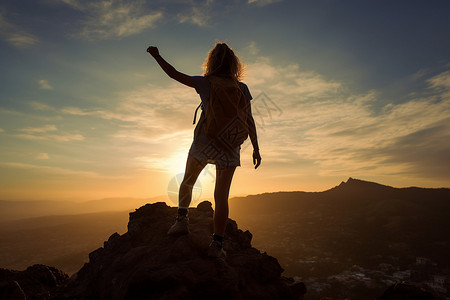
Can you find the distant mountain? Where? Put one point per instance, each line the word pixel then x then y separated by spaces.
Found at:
pixel 356 211
pixel 354 192
pixel 324 234
pixel 22 209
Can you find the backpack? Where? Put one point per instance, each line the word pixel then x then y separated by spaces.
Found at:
pixel 225 120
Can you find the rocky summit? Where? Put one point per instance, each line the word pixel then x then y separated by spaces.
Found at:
pixel 146 263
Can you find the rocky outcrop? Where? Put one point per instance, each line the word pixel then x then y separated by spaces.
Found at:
pixel 36 282
pixel 146 263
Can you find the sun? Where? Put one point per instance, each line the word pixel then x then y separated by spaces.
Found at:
pixel 203 188
pixel 176 163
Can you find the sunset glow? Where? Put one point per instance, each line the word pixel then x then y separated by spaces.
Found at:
pixel 340 90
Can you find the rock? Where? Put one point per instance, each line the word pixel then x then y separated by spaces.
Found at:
pixel 36 282
pixel 403 291
pixel 11 290
pixel 146 263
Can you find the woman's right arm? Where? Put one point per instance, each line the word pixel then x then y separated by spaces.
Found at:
pixel 170 71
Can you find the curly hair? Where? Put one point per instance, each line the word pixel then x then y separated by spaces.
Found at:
pixel 222 60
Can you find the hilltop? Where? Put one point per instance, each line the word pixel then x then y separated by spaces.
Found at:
pixel 146 263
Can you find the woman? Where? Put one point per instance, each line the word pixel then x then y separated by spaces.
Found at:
pixel 221 63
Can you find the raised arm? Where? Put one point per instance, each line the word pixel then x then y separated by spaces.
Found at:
pixel 171 71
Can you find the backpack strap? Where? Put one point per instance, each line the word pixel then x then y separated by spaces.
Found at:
pixel 195 114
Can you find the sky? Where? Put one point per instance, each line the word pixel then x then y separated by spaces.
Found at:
pixel 340 89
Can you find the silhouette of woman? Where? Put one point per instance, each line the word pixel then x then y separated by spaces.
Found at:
pixel 221 62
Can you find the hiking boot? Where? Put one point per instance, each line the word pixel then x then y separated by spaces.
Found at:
pixel 180 227
pixel 216 250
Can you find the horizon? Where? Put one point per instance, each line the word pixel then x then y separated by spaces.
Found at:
pixel 195 202
pixel 338 89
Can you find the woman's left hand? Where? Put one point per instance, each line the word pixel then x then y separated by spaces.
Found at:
pixel 256 158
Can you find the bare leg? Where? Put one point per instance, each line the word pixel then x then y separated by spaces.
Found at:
pixel 193 169
pixel 221 192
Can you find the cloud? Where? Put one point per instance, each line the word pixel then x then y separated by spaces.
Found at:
pixel 441 82
pixel 44 85
pixel 333 132
pixel 114 19
pixel 43 129
pixel 53 170
pixel 149 114
pixel 261 71
pixel 289 80
pixel 308 123
pixel 46 133
pixel 252 48
pixel 40 106
pixel 198 14
pixel 15 35
pixel 42 156
pixel 262 2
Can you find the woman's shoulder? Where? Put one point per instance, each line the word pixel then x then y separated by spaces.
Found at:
pixel 199 78
pixel 242 85
pixel 245 90
pixel 201 84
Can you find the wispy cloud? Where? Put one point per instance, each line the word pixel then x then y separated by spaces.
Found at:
pixel 324 128
pixel 328 129
pixel 43 129
pixel 40 106
pixel 147 115
pixel 252 48
pixel 290 80
pixel 52 170
pixel 47 132
pixel 42 156
pixel 15 35
pixel 262 2
pixel 114 18
pixel 441 82
pixel 45 85
pixel 198 14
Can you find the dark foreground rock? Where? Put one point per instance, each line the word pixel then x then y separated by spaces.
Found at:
pixel 145 263
pixel 36 282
